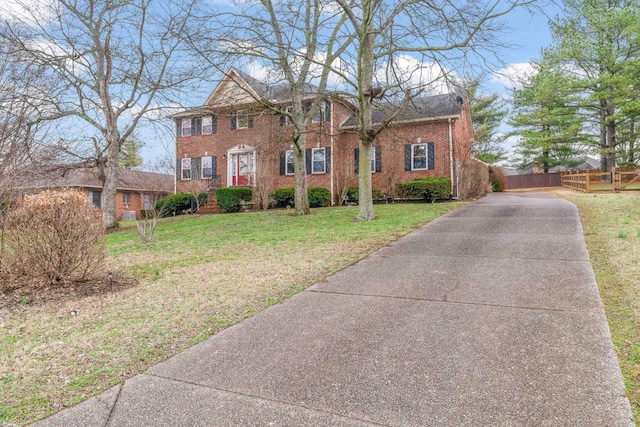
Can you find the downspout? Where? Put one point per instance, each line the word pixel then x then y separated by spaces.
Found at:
pixel 451 156
pixel 333 154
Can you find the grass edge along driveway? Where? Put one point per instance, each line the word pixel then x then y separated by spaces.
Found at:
pixel 200 275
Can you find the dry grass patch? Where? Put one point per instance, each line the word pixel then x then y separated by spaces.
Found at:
pixel 198 276
pixel 611 225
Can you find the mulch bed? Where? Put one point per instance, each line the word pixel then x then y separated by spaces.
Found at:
pixel 15 295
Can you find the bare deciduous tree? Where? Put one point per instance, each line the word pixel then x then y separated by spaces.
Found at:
pixel 443 33
pixel 112 61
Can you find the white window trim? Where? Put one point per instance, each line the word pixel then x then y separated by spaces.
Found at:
pixel 244 114
pixel 188 132
pixel 324 163
pixel 202 167
pixel 322 108
pixel 91 192
pixel 125 196
pixel 426 157
pixel 373 160
pixel 182 169
pixel 286 163
pixel 210 120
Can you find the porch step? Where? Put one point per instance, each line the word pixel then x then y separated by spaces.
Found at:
pixel 209 208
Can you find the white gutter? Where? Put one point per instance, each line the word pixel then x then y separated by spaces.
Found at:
pixel 332 154
pixel 451 155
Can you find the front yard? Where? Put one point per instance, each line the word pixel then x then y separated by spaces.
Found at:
pixel 200 274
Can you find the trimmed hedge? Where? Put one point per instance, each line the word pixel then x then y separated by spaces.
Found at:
pixel 228 198
pixel 178 203
pixel 283 197
pixel 319 197
pixel 353 195
pixel 428 188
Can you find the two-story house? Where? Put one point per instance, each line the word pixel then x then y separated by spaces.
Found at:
pixel 234 139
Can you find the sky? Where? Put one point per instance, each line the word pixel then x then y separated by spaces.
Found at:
pixel 528 34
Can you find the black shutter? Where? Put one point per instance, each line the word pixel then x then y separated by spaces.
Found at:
pixel 283 120
pixel 250 122
pixel 178 169
pixel 178 127
pixel 196 172
pixel 308 160
pixel 431 155
pixel 283 162
pixel 198 126
pixel 378 159
pixel 234 122
pixel 356 160
pixel 407 157
pixel 327 159
pixel 214 124
pixel 214 168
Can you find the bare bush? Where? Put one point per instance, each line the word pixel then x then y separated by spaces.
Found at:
pixel 474 179
pixel 55 237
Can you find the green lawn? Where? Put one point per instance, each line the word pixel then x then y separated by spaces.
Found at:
pixel 200 274
pixel 611 224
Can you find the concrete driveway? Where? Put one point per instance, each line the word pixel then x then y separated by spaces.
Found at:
pixel 488 316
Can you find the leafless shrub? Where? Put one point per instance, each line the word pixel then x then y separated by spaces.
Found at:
pixel 496 174
pixel 55 237
pixel 474 179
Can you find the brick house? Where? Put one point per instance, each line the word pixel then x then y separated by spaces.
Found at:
pixel 137 190
pixel 236 139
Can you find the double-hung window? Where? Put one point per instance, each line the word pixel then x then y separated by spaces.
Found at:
pixel 419 156
pixel 318 158
pixel 290 170
pixel 147 201
pixel 324 112
pixel 185 168
pixel 209 125
pixel 241 120
pixel 126 198
pixel 207 167
pixel 95 197
pixel 186 127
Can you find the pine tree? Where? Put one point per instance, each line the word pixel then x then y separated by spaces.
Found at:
pixel 487 113
pixel 130 153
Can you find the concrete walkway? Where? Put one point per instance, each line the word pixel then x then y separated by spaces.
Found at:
pixel 488 316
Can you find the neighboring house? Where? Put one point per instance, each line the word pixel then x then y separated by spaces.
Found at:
pixel 579 163
pixel 236 139
pixel 137 190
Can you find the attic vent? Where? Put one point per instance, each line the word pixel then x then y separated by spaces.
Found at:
pixel 128 215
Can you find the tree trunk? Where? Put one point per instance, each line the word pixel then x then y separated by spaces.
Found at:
pixel 301 198
pixel 110 185
pixel 366 131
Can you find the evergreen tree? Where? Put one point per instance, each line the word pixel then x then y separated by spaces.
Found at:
pixel 546 118
pixel 130 153
pixel 487 113
pixel 598 43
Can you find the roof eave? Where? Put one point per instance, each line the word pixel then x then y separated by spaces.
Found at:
pixel 411 121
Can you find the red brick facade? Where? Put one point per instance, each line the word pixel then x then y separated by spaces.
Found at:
pixel 259 149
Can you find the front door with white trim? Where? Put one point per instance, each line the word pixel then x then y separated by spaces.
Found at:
pixel 241 167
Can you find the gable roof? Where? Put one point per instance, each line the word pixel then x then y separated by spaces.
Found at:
pixel 239 88
pixel 128 180
pixel 421 108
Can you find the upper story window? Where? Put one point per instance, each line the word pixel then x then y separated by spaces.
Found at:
pixel 324 112
pixel 185 168
pixel 285 120
pixel 290 170
pixel 241 120
pixel 318 158
pixel 209 125
pixel 186 127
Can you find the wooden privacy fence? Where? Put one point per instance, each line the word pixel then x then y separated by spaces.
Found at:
pixel 533 180
pixel 591 180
